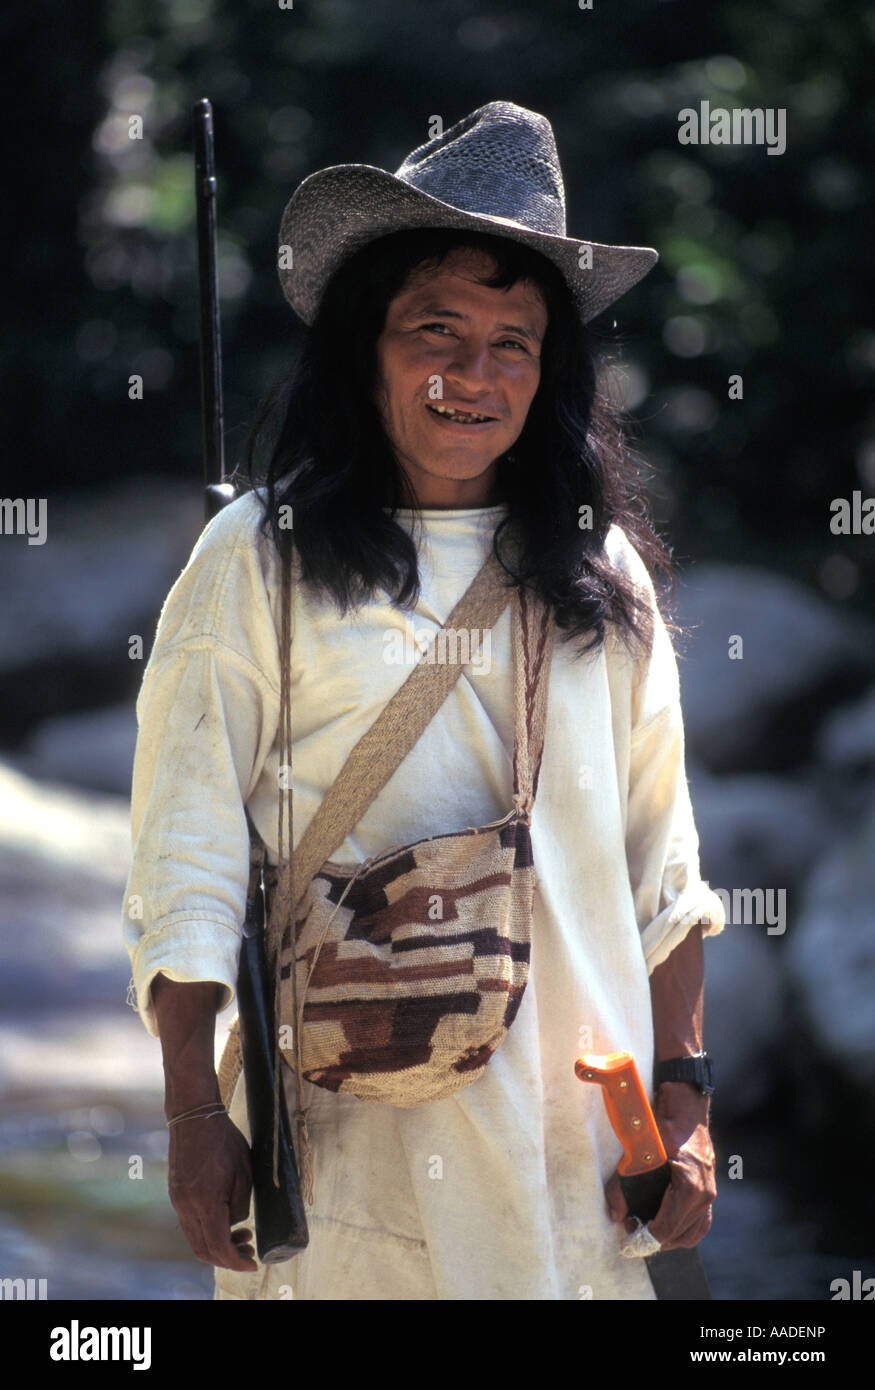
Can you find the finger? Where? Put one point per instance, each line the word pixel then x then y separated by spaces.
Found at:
pixel 211 1246
pixel 691 1234
pixel 682 1206
pixel 191 1230
pixel 243 1240
pixel 617 1204
pixel 220 1247
pixel 677 1225
pixel 240 1261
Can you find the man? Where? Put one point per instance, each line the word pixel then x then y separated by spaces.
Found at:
pixel 447 380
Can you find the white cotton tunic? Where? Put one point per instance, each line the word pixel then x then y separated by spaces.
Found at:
pixel 498 1191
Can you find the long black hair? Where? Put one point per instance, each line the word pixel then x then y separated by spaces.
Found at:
pixel 330 461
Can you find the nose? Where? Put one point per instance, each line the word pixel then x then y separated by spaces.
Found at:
pixel 471 366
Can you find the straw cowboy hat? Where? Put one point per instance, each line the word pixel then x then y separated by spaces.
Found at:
pixel 497 170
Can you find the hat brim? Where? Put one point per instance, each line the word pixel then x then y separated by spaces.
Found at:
pixel 335 211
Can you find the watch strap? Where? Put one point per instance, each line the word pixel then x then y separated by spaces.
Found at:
pixel 699 1070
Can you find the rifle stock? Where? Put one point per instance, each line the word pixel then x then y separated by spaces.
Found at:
pixel 280 1223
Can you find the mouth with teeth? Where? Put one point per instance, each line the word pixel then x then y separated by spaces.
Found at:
pixel 461 417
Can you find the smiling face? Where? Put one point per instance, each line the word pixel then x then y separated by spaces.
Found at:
pixel 484 347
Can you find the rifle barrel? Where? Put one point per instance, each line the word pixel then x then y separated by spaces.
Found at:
pixel 210 331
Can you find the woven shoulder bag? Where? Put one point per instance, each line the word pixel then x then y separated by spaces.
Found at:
pixel 409 967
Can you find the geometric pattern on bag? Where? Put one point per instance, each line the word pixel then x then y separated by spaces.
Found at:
pixel 396 987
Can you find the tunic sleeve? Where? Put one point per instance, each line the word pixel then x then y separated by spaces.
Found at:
pixel 662 844
pixel 207 714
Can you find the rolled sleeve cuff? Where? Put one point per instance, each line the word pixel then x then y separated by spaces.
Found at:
pixel 189 950
pixel 695 904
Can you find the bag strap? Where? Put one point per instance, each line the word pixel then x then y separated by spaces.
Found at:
pixel 533 632
pixel 384 746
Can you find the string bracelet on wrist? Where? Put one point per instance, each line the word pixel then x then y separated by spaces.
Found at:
pixel 199 1112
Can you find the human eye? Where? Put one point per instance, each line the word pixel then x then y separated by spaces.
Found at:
pixel 514 342
pixel 431 326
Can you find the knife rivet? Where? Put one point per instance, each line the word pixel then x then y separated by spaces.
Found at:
pixel 624 1085
pixel 636 1123
pixel 648 1158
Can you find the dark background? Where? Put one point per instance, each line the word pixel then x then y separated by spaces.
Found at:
pixel 766 270
pixel 770 255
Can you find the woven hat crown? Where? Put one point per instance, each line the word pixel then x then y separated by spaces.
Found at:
pixel 495 171
pixel 500 161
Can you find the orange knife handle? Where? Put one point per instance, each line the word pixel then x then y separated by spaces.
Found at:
pixel 628 1110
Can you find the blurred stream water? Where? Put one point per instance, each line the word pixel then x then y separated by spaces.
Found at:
pixel 73 1214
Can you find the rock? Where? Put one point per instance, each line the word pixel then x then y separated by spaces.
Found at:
pixel 846 758
pixel 756 833
pixel 95 749
pixel 758 830
pixel 847 738
pixel 743 1018
pixel 800 657
pixel 72 604
pixel 64 970
pixel 831 954
pixel 64 860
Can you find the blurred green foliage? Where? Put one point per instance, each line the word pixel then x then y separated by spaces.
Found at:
pixel 766 261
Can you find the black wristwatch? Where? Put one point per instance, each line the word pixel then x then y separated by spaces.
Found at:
pixel 698 1070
